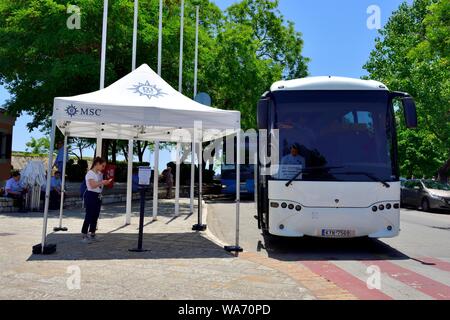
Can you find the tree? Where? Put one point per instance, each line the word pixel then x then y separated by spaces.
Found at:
pixel 42 58
pixel 78 145
pixel 38 146
pixel 412 55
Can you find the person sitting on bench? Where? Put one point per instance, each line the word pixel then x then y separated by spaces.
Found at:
pixel 14 190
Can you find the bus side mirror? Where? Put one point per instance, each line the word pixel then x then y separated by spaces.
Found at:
pixel 409 108
pixel 263 113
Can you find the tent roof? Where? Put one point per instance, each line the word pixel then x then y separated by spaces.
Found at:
pixel 141 106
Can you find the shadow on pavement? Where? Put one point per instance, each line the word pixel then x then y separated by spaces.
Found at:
pixel 319 249
pixel 109 211
pixel 115 246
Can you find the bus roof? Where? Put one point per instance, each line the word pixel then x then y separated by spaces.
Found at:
pixel 327 83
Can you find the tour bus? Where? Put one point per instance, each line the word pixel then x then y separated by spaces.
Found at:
pixel 337 173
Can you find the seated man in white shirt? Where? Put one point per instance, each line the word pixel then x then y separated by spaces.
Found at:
pixel 55 191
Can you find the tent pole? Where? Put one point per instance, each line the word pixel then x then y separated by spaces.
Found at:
pixel 103 53
pixel 200 226
pixel 236 248
pixel 200 184
pixel 47 187
pixel 180 77
pixel 160 24
pixel 177 182
pixel 98 150
pixel 238 184
pixel 255 176
pixel 129 182
pixel 197 9
pixel 155 182
pixel 135 26
pixel 192 177
pixel 63 188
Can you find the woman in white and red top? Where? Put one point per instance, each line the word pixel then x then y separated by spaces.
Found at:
pixel 92 198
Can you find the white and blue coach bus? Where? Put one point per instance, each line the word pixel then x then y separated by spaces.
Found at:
pixel 338 172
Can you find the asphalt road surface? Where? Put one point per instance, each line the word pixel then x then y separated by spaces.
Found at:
pixel 414 265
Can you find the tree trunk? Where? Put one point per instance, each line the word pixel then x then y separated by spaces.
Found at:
pixel 114 152
pixel 105 148
pixel 444 172
pixel 125 153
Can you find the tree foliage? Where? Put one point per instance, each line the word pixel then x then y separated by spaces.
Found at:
pixel 242 50
pixel 38 146
pixel 412 54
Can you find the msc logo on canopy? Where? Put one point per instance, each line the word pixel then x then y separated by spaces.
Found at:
pixel 72 111
pixel 148 90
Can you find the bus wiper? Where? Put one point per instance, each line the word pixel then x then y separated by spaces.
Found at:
pixel 305 170
pixel 367 174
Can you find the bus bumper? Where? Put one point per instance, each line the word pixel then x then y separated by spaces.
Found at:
pixel 335 222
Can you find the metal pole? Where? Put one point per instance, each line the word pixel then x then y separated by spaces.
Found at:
pixel 177 182
pixel 129 182
pixel 192 177
pixel 103 54
pixel 180 78
pixel 99 146
pixel 255 177
pixel 200 183
pixel 238 184
pixel 63 187
pixel 47 188
pixel 160 37
pixel 155 182
pixel 135 26
pixel 196 50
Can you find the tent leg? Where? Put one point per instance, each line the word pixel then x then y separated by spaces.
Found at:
pixel 155 182
pixel 177 182
pixel 129 183
pixel 63 189
pixel 236 248
pixel 43 247
pixel 200 226
pixel 192 178
pixel 98 149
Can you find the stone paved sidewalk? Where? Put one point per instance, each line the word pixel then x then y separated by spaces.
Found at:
pixel 181 264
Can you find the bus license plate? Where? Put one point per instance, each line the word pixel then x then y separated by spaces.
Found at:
pixel 334 233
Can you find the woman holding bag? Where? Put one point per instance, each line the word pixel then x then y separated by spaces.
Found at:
pixel 93 198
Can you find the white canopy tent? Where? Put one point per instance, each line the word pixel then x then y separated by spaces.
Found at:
pixel 142 106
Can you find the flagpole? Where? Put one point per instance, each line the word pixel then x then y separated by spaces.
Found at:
pixel 180 78
pixel 135 26
pixel 196 50
pixel 160 37
pixel 103 54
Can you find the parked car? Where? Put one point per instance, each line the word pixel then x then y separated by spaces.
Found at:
pixel 425 194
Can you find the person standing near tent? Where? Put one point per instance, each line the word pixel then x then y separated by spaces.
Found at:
pixel 59 161
pixel 93 198
pixel 167 177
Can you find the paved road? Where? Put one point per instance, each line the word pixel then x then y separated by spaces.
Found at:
pixel 415 265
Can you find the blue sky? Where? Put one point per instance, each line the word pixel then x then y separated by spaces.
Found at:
pixel 335 33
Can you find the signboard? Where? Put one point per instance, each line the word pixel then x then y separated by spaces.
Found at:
pixel 145 173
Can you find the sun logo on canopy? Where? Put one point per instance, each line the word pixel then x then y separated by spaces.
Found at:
pixel 148 90
pixel 71 110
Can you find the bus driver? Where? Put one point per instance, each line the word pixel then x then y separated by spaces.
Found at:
pixel 292 163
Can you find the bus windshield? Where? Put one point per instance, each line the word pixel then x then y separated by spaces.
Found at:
pixel 334 135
